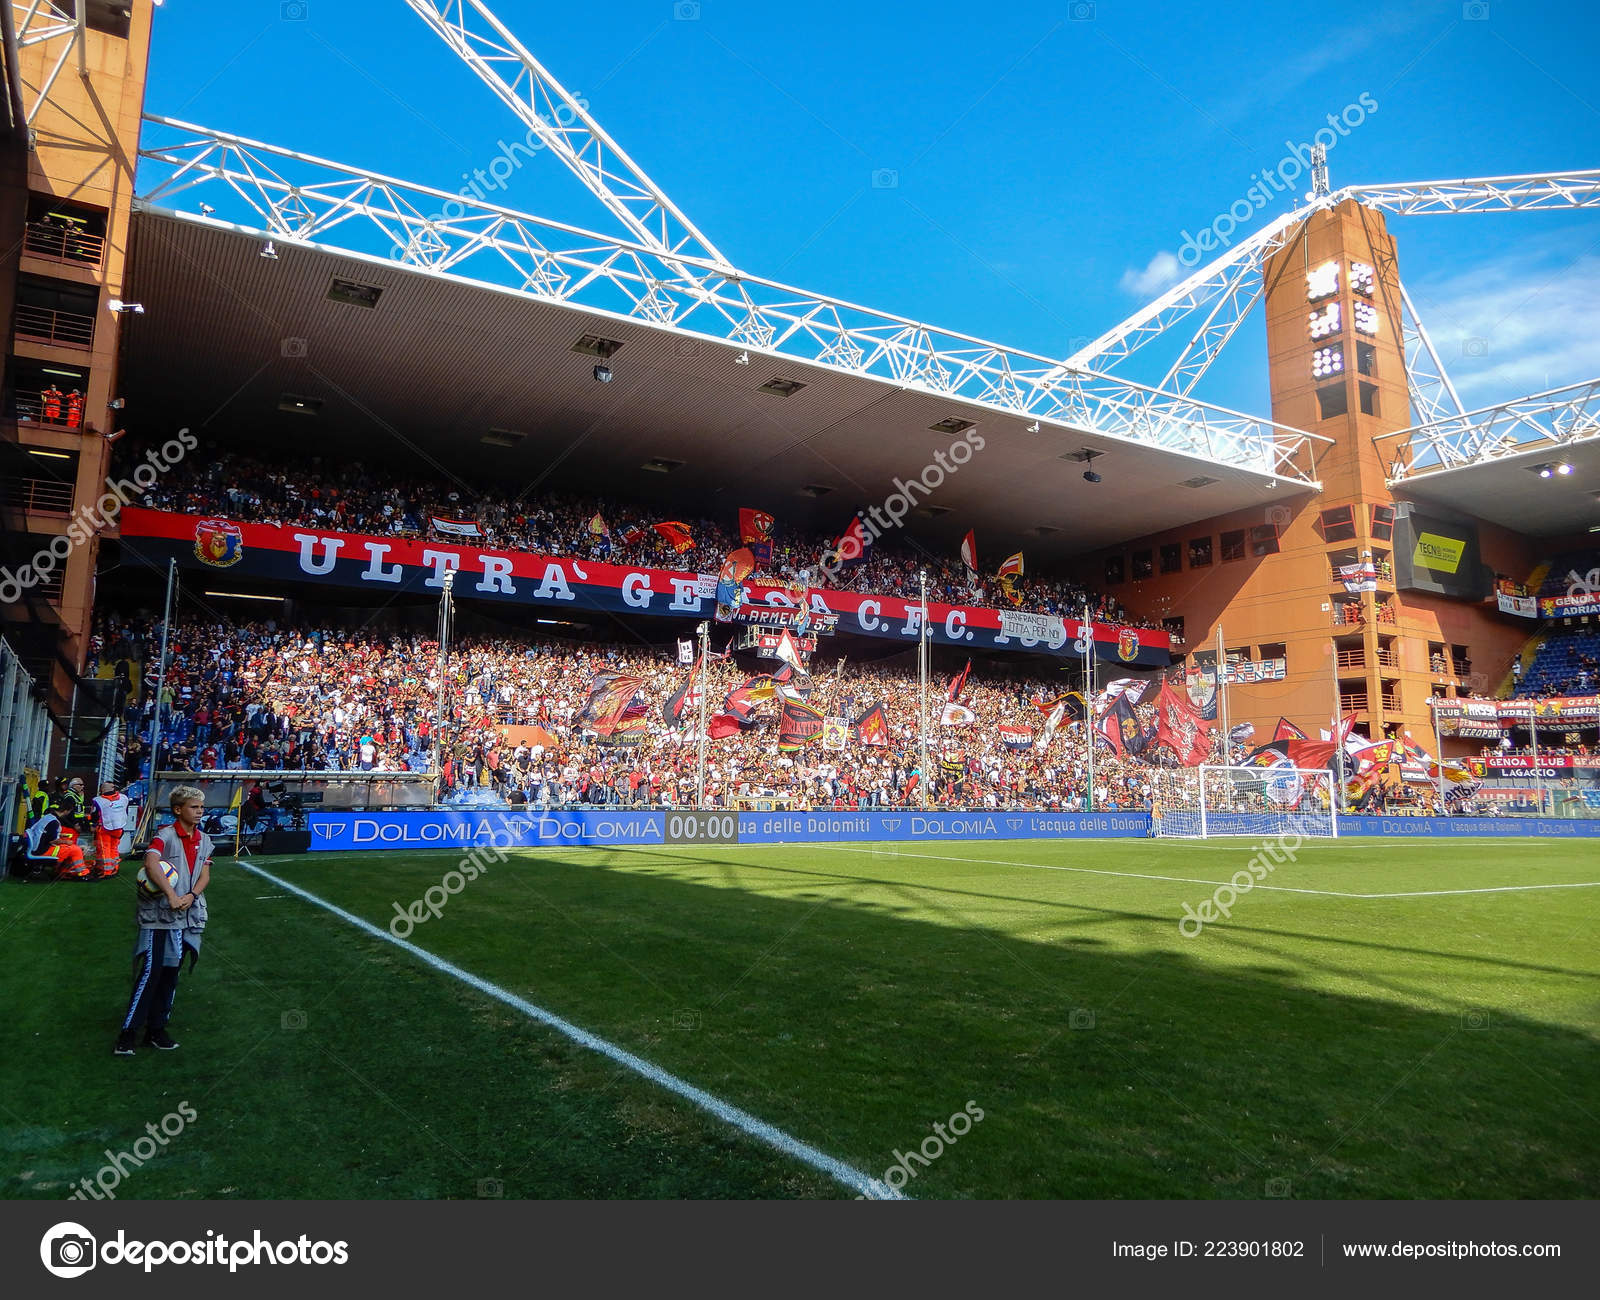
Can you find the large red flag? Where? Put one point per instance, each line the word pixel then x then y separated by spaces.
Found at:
pixel 1180 727
pixel 676 535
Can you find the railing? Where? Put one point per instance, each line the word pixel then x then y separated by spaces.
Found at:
pixel 70 328
pixel 1391 702
pixel 35 407
pixel 1356 658
pixel 1388 659
pixel 37 496
pixel 63 244
pixel 1353 701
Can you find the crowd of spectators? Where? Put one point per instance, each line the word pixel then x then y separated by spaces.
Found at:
pixel 257 695
pixel 357 499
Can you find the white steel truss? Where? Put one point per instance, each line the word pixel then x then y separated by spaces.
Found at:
pixel 1433 396
pixel 562 122
pixel 1548 421
pixel 39 22
pixel 1536 192
pixel 1227 289
pixel 295 196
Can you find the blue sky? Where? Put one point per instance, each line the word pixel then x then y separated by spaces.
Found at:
pixel 1047 159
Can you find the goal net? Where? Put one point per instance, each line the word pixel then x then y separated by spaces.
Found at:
pixel 1200 802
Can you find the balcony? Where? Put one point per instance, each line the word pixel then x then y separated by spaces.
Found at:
pixel 62 243
pixel 1355 658
pixel 50 410
pixel 1352 701
pixel 37 496
pixel 69 329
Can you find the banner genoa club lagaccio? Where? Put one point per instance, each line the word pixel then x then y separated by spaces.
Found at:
pixel 286 553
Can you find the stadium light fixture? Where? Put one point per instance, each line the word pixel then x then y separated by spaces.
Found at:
pixel 116 403
pixel 1543 471
pixel 1563 468
pixel 1034 427
pixel 1089 476
pixel 118 306
pixel 743 359
pixel 603 374
pixel 269 252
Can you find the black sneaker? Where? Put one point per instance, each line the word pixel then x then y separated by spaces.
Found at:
pixel 158 1039
pixel 127 1043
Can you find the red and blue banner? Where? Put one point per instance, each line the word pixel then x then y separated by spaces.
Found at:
pixel 282 553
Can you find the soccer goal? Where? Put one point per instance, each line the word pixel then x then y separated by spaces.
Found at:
pixel 1200 802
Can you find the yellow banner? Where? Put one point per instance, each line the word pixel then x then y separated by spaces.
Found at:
pixel 1442 554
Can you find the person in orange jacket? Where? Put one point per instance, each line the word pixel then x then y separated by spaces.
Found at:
pixel 51 397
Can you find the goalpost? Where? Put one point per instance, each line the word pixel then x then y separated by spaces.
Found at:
pixel 1200 802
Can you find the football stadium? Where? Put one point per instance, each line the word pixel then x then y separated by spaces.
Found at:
pixel 648 730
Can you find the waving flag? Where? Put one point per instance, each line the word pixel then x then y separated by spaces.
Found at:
pixel 958 683
pixel 872 727
pixel 1180 727
pixel 610 695
pixel 969 552
pixel 956 715
pixel 722 726
pixel 789 652
pixel 755 531
pixel 736 568
pixel 1286 730
pixel 676 534
pixel 1016 737
pixel 800 726
pixel 1119 727
pixel 685 701
pixel 854 544
pixel 597 525
pixel 1010 570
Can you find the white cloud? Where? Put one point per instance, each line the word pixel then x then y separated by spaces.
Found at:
pixel 1162 271
pixel 1514 327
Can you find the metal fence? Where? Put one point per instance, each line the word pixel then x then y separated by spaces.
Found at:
pixel 24 735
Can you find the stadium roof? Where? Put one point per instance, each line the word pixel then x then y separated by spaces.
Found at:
pixel 485 383
pixel 1512 492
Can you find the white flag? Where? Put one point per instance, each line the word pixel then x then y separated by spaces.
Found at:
pixel 685 652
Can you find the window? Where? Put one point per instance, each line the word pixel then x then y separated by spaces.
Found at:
pixel 1338 524
pixel 1142 565
pixel 1199 552
pixel 1367 359
pixel 1233 545
pixel 1332 400
pixel 1264 539
pixel 1174 629
pixel 1382 523
pixel 1114 573
pixel 1368 396
pixel 1172 558
pixel 1274 650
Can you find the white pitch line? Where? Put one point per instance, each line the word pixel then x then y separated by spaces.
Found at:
pixel 1190 880
pixel 746 1123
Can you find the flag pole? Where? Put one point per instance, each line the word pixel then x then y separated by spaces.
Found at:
pixel 922 680
pixel 705 640
pixel 1222 694
pixel 1088 701
pixel 1533 731
pixel 1438 752
pixel 1338 705
pixel 147 816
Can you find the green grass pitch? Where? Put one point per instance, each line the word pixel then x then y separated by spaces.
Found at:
pixel 1387 1020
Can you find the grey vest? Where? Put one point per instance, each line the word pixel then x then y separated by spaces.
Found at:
pixel 156 913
